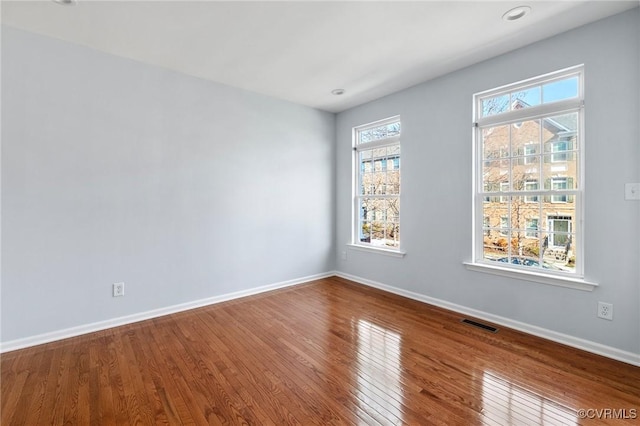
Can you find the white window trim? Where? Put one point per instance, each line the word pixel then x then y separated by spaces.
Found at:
pixel 393 140
pixel 573 280
pixel 377 250
pixel 526 275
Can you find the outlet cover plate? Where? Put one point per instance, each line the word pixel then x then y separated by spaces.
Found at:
pixel 605 311
pixel 118 289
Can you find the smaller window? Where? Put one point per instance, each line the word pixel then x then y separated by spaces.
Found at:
pixel 531 185
pixel 377 191
pixel 530 151
pixel 504 187
pixel 559 151
pixel 532 228
pixel 560 229
pixel 504 225
pixel 559 184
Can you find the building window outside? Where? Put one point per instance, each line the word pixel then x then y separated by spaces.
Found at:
pixel 559 184
pixel 504 225
pixel 527 134
pixel 532 228
pixel 486 223
pixel 504 187
pixel 377 191
pixel 530 151
pixel 560 150
pixel 531 185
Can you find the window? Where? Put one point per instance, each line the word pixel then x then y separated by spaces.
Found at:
pixel 377 191
pixel 531 185
pixel 560 231
pixel 504 187
pixel 504 225
pixel 561 150
pixel 528 175
pixel 532 228
pixel 559 184
pixel 486 224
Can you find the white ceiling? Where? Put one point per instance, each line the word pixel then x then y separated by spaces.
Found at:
pixel 301 50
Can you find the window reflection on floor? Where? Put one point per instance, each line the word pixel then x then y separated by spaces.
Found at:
pixel 378 367
pixel 507 403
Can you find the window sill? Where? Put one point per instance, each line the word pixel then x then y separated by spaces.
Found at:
pixel 378 250
pixel 560 281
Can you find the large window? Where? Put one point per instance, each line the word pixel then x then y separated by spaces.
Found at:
pixel 528 156
pixel 377 189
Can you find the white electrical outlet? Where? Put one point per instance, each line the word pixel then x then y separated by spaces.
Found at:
pixel 118 289
pixel 344 255
pixel 605 311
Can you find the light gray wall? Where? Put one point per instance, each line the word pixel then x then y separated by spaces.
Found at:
pixel 184 189
pixel 436 187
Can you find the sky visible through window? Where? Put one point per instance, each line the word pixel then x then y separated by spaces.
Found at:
pixel 533 96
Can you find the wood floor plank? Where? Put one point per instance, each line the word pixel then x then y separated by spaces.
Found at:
pixel 329 352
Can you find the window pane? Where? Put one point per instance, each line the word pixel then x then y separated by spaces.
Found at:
pixel 524 176
pixel 380 221
pixel 380 132
pixel 559 224
pixel 522 211
pixel 495 175
pixel 526 134
pixel 561 143
pixel 560 90
pixel 496 105
pixel 495 142
pixel 559 249
pixel 525 98
pixel 564 126
pixel 393 151
pixel 367 185
pixel 393 182
pixel 392 231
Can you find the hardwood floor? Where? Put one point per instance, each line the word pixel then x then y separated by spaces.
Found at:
pixel 326 352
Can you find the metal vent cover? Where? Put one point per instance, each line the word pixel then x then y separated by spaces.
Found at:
pixel 480 325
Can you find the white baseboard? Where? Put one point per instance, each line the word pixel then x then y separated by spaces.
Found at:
pixel 52 336
pixel 589 346
pixel 586 345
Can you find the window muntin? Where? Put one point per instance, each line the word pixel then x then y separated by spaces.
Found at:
pixel 377 193
pixel 529 164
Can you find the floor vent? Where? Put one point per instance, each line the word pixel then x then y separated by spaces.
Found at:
pixel 480 325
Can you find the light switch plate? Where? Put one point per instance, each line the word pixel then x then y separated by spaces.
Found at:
pixel 632 191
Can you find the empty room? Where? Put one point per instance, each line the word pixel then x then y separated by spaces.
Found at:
pixel 320 212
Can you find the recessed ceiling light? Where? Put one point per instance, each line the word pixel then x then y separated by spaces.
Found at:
pixel 65 2
pixel 516 13
pixel 338 92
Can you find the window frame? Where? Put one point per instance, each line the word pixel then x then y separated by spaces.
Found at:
pixel 357 147
pixel 570 279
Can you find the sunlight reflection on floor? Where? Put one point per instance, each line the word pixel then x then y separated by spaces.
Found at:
pixel 507 403
pixel 378 382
